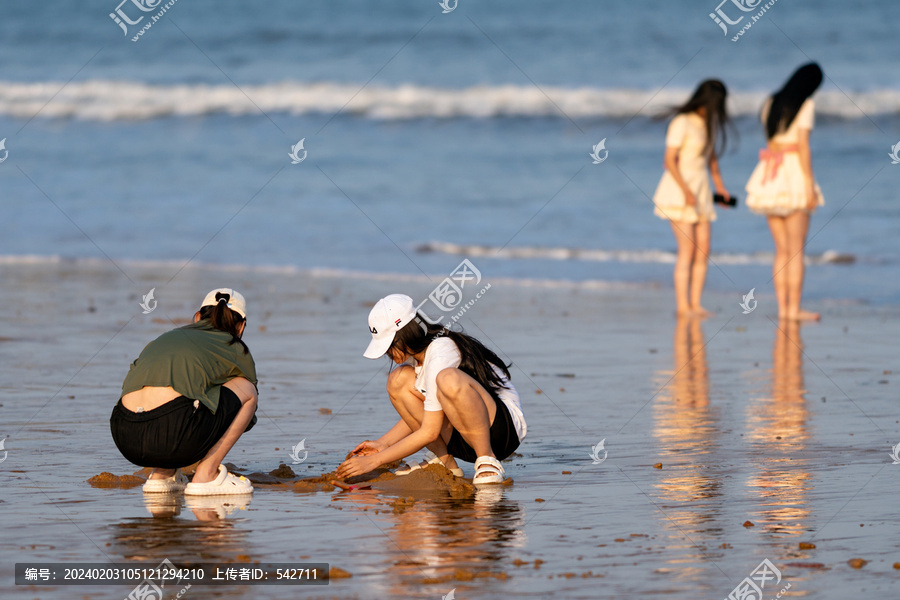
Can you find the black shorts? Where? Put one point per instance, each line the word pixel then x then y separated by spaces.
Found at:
pixel 173 435
pixel 504 439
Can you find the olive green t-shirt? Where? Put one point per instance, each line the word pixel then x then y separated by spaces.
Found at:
pixel 195 360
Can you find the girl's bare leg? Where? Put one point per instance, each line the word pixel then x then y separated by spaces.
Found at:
pixel 779 266
pixel 699 266
pixel 409 404
pixel 208 468
pixel 469 408
pixel 684 236
pixel 797 226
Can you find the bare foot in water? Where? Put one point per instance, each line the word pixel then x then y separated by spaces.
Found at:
pixel 701 312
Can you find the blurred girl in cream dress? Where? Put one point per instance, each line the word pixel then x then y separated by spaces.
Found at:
pixel 696 136
pixel 783 188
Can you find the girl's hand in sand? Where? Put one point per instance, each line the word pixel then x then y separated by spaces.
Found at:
pixel 367 448
pixel 358 465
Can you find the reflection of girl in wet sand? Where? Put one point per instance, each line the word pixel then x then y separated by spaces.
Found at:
pixel 779 422
pixel 683 196
pixel 187 398
pixel 685 424
pixel 783 188
pixel 452 393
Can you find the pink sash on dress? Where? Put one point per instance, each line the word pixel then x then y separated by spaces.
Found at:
pixel 773 160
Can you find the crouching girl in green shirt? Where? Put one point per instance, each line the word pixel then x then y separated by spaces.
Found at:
pixel 187 398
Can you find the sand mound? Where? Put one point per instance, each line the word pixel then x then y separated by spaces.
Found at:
pixel 433 478
pixel 108 480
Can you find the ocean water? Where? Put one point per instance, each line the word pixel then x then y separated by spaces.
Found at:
pixel 430 137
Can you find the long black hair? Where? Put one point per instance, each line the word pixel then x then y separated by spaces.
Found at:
pixel 224 319
pixel 478 361
pixel 709 95
pixel 787 101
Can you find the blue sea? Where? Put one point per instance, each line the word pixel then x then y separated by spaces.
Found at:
pixel 430 136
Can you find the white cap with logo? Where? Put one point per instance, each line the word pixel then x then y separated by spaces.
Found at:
pixel 388 316
pixel 235 300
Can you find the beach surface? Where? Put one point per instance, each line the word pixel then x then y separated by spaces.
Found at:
pixel 726 442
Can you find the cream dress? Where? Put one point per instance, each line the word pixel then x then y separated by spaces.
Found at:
pixel 687 132
pixel 778 186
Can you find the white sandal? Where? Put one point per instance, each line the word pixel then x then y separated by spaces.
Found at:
pixel 224 484
pixel 430 459
pixel 175 483
pixel 490 468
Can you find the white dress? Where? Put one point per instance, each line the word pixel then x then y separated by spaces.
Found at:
pixel 778 186
pixel 687 132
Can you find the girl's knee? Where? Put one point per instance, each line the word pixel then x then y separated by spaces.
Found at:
pixel 244 389
pixel 400 379
pixel 450 382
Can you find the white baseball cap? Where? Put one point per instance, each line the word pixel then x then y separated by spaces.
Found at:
pixel 235 300
pixel 387 317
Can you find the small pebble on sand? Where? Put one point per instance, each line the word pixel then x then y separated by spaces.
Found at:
pixel 748 524
pixel 807 545
pixel 338 573
pixel 657 466
pixel 857 563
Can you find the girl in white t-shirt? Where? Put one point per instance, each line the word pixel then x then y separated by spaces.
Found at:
pixel 453 395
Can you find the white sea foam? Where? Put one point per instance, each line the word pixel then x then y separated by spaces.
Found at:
pixel 104 100
pixel 630 256
pixel 173 266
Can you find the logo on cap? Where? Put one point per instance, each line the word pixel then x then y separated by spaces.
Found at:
pixel 397 322
pixel 373 330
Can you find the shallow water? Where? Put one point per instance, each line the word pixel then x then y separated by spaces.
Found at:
pixel 789 430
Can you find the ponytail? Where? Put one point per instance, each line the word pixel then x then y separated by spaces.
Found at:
pixel 224 319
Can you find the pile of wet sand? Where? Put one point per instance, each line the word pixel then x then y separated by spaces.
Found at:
pixel 432 479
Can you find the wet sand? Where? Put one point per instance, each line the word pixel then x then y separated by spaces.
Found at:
pixel 770 443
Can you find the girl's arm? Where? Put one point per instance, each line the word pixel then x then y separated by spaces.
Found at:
pixel 717 176
pixel 671 163
pixel 806 166
pixel 393 435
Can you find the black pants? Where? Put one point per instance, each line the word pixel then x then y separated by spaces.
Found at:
pixel 173 435
pixel 504 439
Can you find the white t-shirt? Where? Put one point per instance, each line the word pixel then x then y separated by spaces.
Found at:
pixel 443 353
